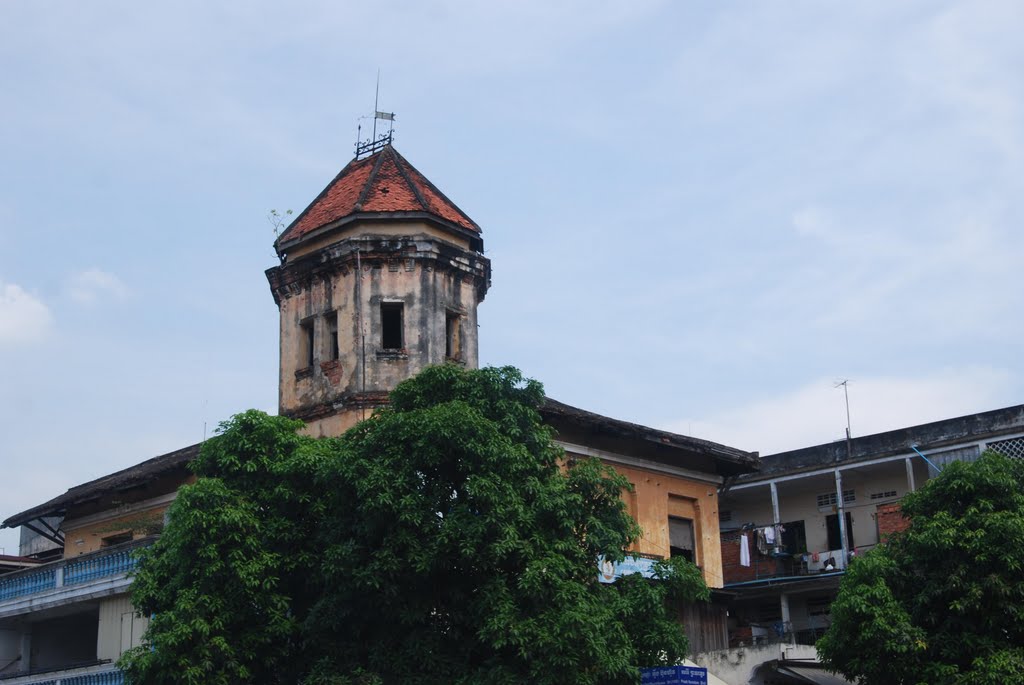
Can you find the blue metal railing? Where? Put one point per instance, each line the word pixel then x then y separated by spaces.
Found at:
pixel 98 567
pixel 113 677
pixel 107 678
pixel 27 584
pixel 107 562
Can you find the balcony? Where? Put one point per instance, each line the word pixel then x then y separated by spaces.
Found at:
pixel 72 579
pixel 101 673
pixel 779 563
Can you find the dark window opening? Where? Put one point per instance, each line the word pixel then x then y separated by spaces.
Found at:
pixel 307 345
pixel 794 537
pixel 333 352
pixel 452 336
pixel 680 538
pixel 832 526
pixel 391 325
pixel 118 539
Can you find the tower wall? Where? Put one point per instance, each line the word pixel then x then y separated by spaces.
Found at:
pixel 339 354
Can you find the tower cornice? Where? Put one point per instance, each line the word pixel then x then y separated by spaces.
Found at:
pixel 380 252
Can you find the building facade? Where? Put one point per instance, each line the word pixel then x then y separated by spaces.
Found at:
pixel 822 506
pixel 379 277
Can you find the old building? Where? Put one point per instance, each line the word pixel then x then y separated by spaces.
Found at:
pixel 67 618
pixel 808 512
pixel 380 276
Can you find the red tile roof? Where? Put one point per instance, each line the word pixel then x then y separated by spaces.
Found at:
pixel 383 184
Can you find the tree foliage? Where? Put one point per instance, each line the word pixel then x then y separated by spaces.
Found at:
pixel 444 540
pixel 942 602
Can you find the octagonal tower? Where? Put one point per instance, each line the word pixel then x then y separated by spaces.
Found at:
pixel 380 276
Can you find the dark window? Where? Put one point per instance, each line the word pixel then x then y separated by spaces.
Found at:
pixel 794 537
pixel 333 338
pixel 306 360
pixel 832 526
pixel 452 336
pixel 680 537
pixel 118 539
pixel 391 325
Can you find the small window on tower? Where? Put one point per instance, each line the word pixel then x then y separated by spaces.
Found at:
pixel 306 333
pixel 453 336
pixel 332 338
pixel 391 325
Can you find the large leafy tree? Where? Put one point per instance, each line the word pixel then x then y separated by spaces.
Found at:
pixel 943 602
pixel 444 540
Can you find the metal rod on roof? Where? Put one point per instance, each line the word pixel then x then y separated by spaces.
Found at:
pixel 914 447
pixel 376 108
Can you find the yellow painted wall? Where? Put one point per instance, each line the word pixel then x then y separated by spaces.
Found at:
pixel 657 496
pixel 82 539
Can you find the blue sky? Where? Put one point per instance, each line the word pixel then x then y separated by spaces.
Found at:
pixel 701 215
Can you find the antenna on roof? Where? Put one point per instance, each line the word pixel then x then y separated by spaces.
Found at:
pixel 375 143
pixel 846 394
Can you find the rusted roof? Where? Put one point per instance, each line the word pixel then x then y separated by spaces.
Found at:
pixel 379 186
pixel 729 460
pixel 114 482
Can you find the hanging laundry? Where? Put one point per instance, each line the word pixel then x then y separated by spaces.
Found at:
pixel 762 544
pixel 744 551
pixel 769 535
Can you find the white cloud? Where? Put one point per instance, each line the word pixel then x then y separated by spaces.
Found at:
pixel 90 285
pixel 816 413
pixel 23 317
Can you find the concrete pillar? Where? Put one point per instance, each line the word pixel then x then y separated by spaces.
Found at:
pixel 26 648
pixel 910 474
pixel 787 623
pixel 841 511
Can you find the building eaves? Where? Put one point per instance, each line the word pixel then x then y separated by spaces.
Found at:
pixel 729 460
pixel 121 480
pixel 934 435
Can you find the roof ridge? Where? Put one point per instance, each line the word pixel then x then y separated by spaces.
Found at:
pixel 414 187
pixel 316 199
pixel 437 190
pixel 370 179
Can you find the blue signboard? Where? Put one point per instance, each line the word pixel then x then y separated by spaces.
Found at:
pixel 608 570
pixel 674 675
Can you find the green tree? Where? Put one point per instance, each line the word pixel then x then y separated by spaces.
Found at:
pixel 224 582
pixel 942 602
pixel 444 540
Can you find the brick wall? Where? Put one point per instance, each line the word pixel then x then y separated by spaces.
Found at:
pixel 732 571
pixel 890 520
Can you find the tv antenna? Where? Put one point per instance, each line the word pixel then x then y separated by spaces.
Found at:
pixel 375 143
pixel 846 394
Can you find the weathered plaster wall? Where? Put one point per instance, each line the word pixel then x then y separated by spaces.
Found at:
pixel 87 534
pixel 737 666
pixel 430 279
pixel 658 496
pixel 376 228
